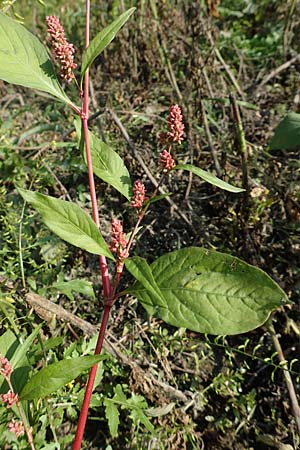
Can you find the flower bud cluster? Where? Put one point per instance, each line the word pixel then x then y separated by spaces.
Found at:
pixel 63 51
pixel 166 161
pixel 118 240
pixel 173 135
pixel 5 367
pixel 10 398
pixel 139 196
pixel 16 427
pixel 175 125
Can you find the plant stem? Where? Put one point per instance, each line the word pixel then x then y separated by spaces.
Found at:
pixel 90 383
pixel 102 260
pixel 111 299
pixel 20 246
pixel 28 431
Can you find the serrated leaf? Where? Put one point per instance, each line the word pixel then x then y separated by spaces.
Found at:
pixel 69 222
pixel 101 41
pixel 79 286
pixel 287 133
pixel 207 291
pixel 119 394
pixel 209 177
pixel 137 403
pixel 112 415
pixel 107 164
pixel 56 375
pixel 25 61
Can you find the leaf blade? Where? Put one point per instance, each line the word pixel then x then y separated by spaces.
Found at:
pixel 107 164
pixel 112 416
pixel 69 222
pixel 210 292
pixel 25 61
pixel 287 133
pixel 56 375
pixel 209 177
pixel 102 40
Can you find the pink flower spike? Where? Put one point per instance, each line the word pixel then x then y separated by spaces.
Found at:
pixel 175 124
pixel 118 240
pixel 139 197
pixel 5 367
pixel 63 51
pixel 10 398
pixel 16 427
pixel 166 161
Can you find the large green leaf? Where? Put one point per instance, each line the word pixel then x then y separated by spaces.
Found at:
pixel 207 291
pixel 56 375
pixel 209 177
pixel 107 164
pixel 102 39
pixel 287 133
pixel 139 268
pixel 25 61
pixel 69 222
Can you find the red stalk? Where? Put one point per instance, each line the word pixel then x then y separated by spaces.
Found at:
pixel 89 387
pixel 102 260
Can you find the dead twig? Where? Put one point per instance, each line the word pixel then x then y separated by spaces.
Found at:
pixel 209 139
pixel 286 374
pixel 226 66
pixel 277 71
pixel 241 144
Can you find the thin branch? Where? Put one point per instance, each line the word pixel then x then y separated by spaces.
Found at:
pixel 286 374
pixel 209 139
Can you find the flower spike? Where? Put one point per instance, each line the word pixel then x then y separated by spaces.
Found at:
pixel 63 51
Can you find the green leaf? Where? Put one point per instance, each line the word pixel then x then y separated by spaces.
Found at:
pixel 20 355
pixel 207 291
pixel 101 41
pixel 158 198
pixel 287 133
pixel 112 415
pixel 25 61
pixel 107 164
pixel 20 363
pixel 69 222
pixel 8 344
pixel 209 177
pixel 79 286
pixel 141 271
pixel 56 375
pixel 137 403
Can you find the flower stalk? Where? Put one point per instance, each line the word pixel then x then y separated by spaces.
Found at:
pixel 10 398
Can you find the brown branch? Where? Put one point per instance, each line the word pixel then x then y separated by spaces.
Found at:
pixel 286 374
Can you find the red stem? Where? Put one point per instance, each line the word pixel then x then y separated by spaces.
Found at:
pixel 102 260
pixel 90 384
